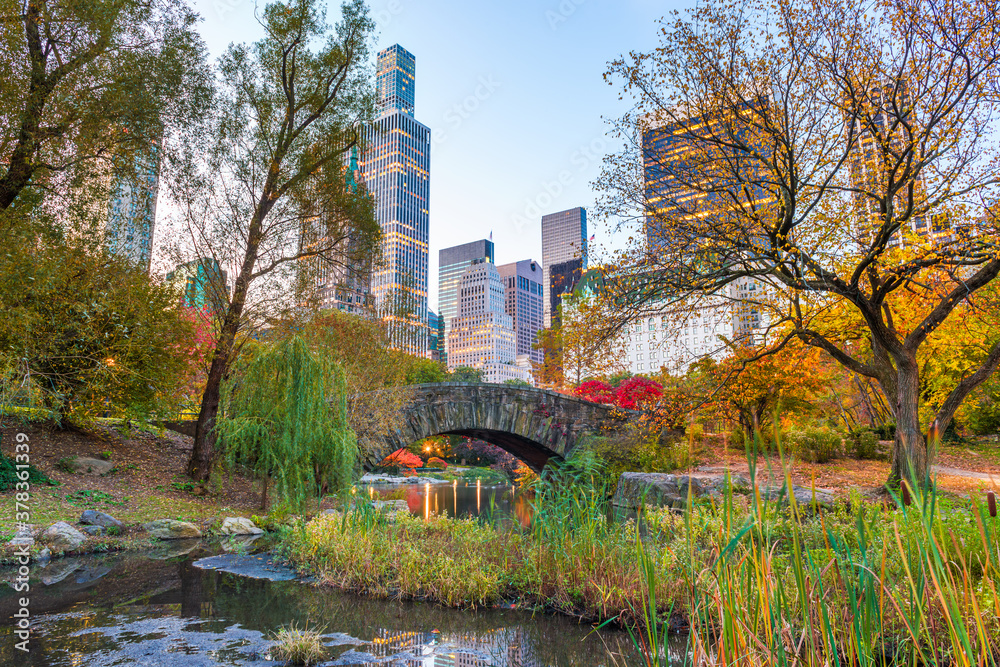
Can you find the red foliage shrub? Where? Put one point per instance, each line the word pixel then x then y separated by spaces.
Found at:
pixel 435 462
pixel 636 393
pixel 402 459
pixel 596 391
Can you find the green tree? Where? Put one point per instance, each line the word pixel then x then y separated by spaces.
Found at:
pixel 466 374
pixel 83 83
pixel 89 334
pixel 290 109
pixel 285 417
pixel 424 371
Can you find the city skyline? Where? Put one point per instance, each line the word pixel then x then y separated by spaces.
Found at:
pixel 508 174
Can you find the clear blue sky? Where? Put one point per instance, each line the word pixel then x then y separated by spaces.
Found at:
pixel 514 93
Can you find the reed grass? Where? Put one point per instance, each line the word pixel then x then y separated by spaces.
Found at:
pixel 756 581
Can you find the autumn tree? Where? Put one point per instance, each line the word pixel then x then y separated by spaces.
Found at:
pixel 576 349
pixel 804 156
pixel 91 85
pixel 290 110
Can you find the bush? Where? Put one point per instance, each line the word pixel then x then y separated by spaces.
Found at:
pixel 863 445
pixel 435 462
pixel 9 475
pixel 885 431
pixel 815 444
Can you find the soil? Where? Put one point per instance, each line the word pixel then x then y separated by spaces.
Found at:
pixel 147 482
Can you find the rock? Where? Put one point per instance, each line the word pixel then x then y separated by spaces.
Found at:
pixel 237 525
pixel 95 518
pixel 651 489
pixel 804 497
pixel 169 529
pixel 43 557
pixel 239 543
pixel 88 466
pixel 391 506
pixel 96 531
pixel 174 549
pixel 61 536
pixel 23 537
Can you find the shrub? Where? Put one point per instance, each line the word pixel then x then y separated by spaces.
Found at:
pixel 299 646
pixel 885 431
pixel 863 445
pixel 9 475
pixel 435 462
pixel 815 444
pixel 402 459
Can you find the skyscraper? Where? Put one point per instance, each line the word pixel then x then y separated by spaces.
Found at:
pixel 564 237
pixel 452 263
pixel 434 342
pixel 202 285
pixel 396 169
pixel 132 211
pixel 524 302
pixel 563 279
pixel 482 334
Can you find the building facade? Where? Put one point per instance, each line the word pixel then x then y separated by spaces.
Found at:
pixel 452 264
pixel 202 284
pixel 396 169
pixel 524 302
pixel 564 238
pixel 435 344
pixel 128 232
pixel 482 333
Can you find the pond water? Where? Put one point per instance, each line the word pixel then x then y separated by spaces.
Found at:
pixel 165 609
pixel 457 500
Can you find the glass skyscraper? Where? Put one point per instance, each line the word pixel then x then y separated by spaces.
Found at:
pixel 452 263
pixel 564 237
pixel 522 282
pixel 132 211
pixel 396 169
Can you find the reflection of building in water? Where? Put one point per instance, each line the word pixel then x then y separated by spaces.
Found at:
pixel 390 642
pixel 499 647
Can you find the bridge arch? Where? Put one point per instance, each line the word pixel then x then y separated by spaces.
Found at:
pixel 535 425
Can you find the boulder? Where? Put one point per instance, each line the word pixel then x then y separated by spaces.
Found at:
pixel 43 557
pixel 169 529
pixel 88 466
pixel 174 549
pixel 95 518
pixel 59 570
pixel 240 543
pixel 237 525
pixel 95 531
pixel 651 489
pixel 61 536
pixel 23 537
pixel 804 497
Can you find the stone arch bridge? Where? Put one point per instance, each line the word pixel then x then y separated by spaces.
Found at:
pixel 534 425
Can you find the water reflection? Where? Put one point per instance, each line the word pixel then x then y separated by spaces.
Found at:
pixel 133 610
pixel 459 500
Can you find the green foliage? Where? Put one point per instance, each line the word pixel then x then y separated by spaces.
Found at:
pixel 816 444
pixel 299 646
pixel 466 374
pixel 284 415
pixel 85 334
pixel 10 475
pixel 94 498
pixel 517 382
pixel 424 371
pixel 863 445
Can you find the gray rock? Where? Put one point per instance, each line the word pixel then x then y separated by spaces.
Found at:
pixel 238 542
pixel 61 536
pixel 237 525
pixel 169 529
pixel 88 466
pixel 23 537
pixel 804 498
pixel 174 549
pixel 651 489
pixel 43 557
pixel 96 531
pixel 95 518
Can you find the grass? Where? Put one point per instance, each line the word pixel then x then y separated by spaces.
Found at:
pixel 298 646
pixel 757 583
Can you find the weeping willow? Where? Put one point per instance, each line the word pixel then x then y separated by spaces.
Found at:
pixel 284 415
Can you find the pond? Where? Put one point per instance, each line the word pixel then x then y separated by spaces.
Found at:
pixel 166 609
pixel 456 499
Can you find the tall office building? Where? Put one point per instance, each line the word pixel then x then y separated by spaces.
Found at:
pixel 452 263
pixel 564 237
pixel 128 232
pixel 434 340
pixel 482 334
pixel 202 284
pixel 563 279
pixel 396 170
pixel 524 302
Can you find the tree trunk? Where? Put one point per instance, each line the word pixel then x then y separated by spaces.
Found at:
pixel 910 456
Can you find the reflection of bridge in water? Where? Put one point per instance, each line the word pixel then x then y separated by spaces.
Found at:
pixel 534 425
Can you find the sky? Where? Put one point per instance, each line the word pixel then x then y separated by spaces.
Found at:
pixel 514 94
